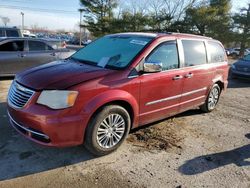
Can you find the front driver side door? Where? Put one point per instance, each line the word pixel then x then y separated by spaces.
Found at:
pixel 161 92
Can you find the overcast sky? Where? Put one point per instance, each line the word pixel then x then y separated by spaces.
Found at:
pixel 54 14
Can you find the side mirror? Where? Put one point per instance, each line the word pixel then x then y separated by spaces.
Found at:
pixel 152 66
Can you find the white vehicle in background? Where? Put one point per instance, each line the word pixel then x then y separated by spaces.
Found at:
pixel 27 33
pixel 235 52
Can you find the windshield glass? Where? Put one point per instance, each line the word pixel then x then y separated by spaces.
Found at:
pixel 112 51
pixel 247 58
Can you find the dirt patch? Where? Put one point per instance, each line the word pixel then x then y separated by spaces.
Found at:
pixel 162 136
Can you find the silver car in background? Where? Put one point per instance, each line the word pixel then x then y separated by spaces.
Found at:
pixel 18 54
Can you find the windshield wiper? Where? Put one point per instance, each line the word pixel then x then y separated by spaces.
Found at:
pixel 85 61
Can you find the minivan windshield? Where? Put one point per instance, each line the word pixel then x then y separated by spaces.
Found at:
pixel 113 51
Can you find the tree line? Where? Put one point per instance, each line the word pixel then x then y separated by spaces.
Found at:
pixel 211 18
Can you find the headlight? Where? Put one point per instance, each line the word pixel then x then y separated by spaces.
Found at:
pixel 233 67
pixel 57 99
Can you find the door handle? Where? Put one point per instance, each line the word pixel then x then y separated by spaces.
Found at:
pixel 53 54
pixel 177 77
pixel 189 75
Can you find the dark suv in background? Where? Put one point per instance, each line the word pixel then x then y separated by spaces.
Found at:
pixel 10 32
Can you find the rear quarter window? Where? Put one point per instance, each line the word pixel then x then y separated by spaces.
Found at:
pixel 12 33
pixel 194 52
pixel 217 52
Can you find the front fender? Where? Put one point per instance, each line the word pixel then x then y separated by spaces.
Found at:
pixel 111 96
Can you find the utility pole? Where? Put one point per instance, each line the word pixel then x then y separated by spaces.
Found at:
pixel 80 25
pixel 22 21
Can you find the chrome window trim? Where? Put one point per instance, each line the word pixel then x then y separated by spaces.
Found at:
pixel 27 129
pixel 175 97
pixel 135 76
pixel 184 68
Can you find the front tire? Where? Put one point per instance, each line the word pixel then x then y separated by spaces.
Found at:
pixel 107 130
pixel 212 99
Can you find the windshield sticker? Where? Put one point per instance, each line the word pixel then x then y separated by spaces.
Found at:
pixel 103 62
pixel 140 42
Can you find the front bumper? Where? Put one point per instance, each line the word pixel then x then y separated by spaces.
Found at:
pixel 27 131
pixel 47 127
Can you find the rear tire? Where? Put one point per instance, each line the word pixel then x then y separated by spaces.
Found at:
pixel 107 130
pixel 212 99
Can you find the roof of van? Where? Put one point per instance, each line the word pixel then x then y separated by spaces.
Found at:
pixel 155 35
pixel 9 28
pixel 24 38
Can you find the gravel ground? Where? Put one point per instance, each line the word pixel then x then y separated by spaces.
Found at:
pixel 192 149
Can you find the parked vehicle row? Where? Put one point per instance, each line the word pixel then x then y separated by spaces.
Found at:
pixel 235 52
pixel 115 84
pixel 76 41
pixel 17 54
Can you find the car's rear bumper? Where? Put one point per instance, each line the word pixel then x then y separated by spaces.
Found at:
pixel 48 129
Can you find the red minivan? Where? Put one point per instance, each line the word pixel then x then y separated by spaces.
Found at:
pixel 114 84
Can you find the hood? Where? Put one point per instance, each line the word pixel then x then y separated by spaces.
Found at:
pixel 60 75
pixel 242 63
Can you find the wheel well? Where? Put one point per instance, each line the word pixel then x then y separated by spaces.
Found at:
pixel 121 103
pixel 221 85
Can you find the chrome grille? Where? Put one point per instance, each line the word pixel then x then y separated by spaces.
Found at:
pixel 18 95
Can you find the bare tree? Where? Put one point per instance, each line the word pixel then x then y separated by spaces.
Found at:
pixel 162 12
pixel 176 9
pixel 5 20
pixel 134 6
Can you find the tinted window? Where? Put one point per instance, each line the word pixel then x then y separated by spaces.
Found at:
pixel 12 46
pixel 194 52
pixel 2 33
pixel 38 46
pixel 167 54
pixel 217 52
pixel 12 33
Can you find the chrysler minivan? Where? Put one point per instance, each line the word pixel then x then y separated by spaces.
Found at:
pixel 114 84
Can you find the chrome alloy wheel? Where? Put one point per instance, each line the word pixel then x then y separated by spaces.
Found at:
pixel 213 98
pixel 110 131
